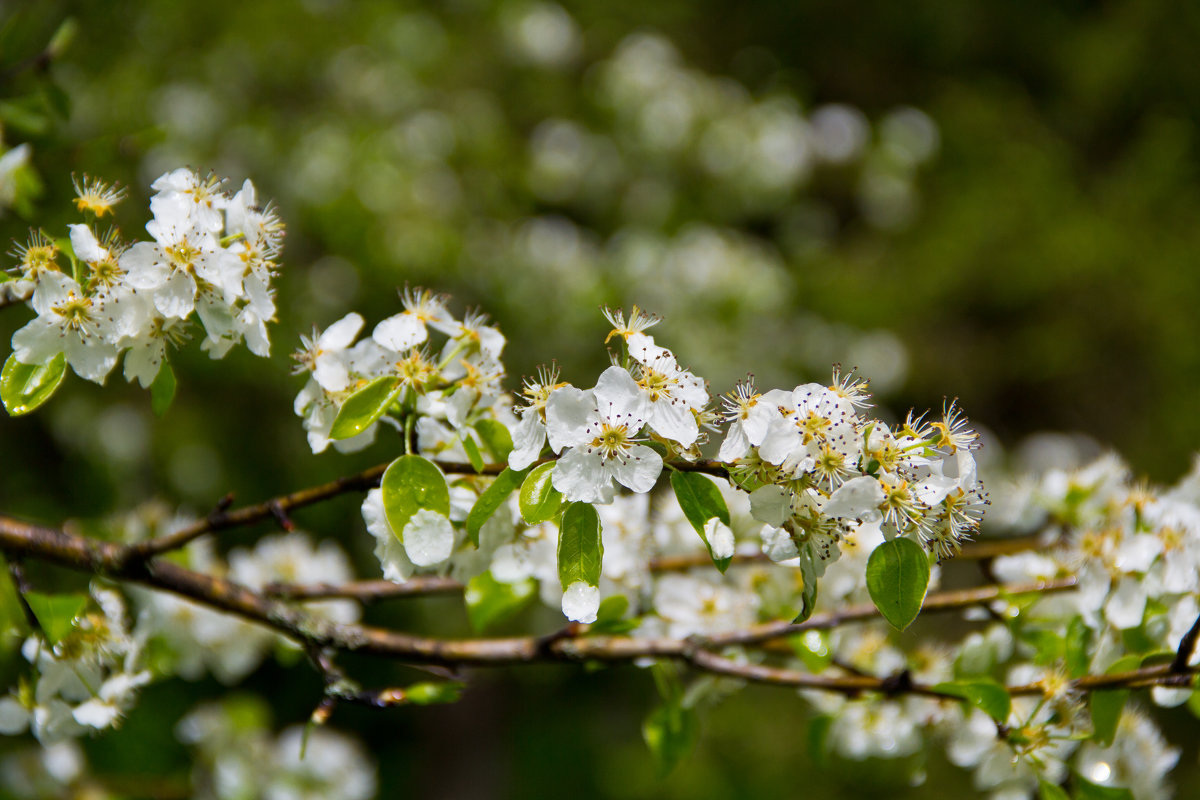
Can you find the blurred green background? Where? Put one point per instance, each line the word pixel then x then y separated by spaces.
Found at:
pixel 995 202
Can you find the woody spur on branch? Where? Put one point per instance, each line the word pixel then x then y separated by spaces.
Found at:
pixel 781 536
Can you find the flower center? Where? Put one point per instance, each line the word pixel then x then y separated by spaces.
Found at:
pixel 613 441
pixel 183 255
pixel 656 384
pixel 76 313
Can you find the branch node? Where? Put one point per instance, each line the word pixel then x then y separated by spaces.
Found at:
pixel 897 683
pixel 280 515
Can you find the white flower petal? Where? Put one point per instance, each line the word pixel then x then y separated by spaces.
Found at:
pixel 145 266
pixel 395 562
pixel 736 444
pixel 639 470
pixel 617 394
pixel 579 476
pixel 674 420
pixel 85 245
pixel 176 296
pixel 1127 605
pixel 568 413
pixel 529 436
pixel 770 504
pixel 331 373
pixel 400 332
pixel 340 334
pixel 720 538
pixel 857 498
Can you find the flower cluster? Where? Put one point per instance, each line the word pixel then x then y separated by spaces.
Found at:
pixel 97 296
pixel 197 640
pixel 809 464
pixel 87 670
pixel 238 757
pixel 453 388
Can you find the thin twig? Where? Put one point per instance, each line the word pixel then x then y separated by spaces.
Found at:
pixel 278 507
pixel 936 601
pixel 364 591
pixel 1187 646
pixel 17 572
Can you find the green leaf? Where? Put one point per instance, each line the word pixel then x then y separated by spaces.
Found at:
pixel 701 500
pixel 62 38
pixel 425 694
pixel 808 592
pixel 24 387
pixel 56 613
pixel 539 500
pixel 1106 705
pixel 492 498
pixel 1050 791
pixel 580 549
pixel 818 739
pixel 1086 790
pixel 55 99
pixel 670 732
pixel 496 438
pixel 986 695
pixel 410 484
pixel 489 601
pixel 364 407
pixel 162 391
pixel 473 454
pixel 1078 639
pixel 25 114
pixel 610 617
pixel 897 578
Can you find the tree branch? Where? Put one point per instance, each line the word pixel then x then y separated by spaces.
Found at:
pixel 21 539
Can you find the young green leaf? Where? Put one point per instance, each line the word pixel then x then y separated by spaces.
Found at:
pixel 24 387
pixel 492 498
pixel 1106 706
pixel 489 601
pixel 162 391
pixel 473 454
pixel 496 438
pixel 670 732
pixel 425 694
pixel 988 696
pixel 808 591
pixel 539 500
pixel 1051 791
pixel 364 407
pixel 56 613
pixel 580 548
pixel 1077 644
pixel 610 617
pixel 1086 790
pixel 410 484
pixel 897 579
pixel 701 501
pixel 818 739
